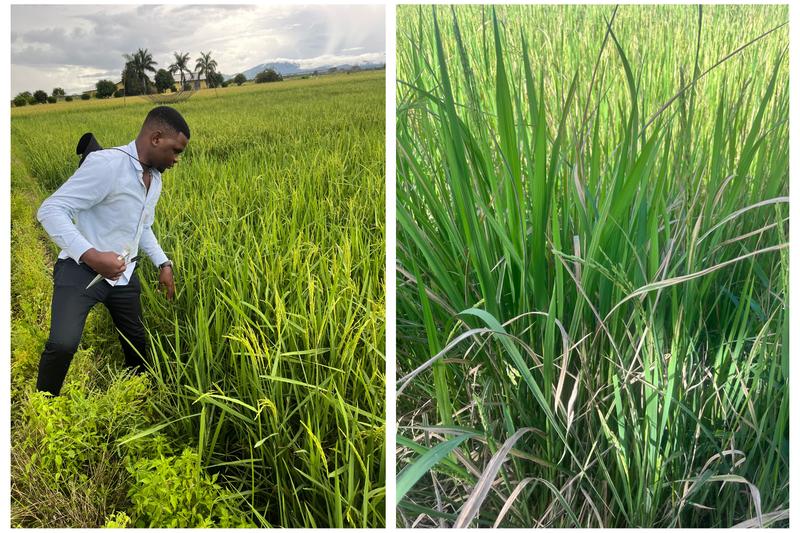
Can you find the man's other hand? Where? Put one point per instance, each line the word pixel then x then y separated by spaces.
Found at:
pixel 110 265
pixel 165 280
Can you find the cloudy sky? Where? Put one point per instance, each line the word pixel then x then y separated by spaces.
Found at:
pixel 74 46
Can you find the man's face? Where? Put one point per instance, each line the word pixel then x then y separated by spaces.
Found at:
pixel 167 146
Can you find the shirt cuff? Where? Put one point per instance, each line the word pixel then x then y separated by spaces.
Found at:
pixel 77 248
pixel 158 257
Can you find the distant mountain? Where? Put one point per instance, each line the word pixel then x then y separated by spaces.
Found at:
pixel 290 68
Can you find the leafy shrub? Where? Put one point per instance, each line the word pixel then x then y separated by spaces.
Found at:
pixel 52 99
pixel 118 520
pixel 70 431
pixel 268 75
pixel 85 96
pixel 68 98
pixel 65 461
pixel 21 100
pixel 105 88
pixel 119 93
pixel 239 79
pixel 176 492
pixel 214 79
pixel 163 80
pixel 40 96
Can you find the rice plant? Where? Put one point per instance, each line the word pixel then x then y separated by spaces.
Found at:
pixel 592 266
pixel 270 361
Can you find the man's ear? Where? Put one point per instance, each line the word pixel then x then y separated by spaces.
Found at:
pixel 155 137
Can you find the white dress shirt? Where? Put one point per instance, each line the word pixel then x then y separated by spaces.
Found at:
pixel 105 205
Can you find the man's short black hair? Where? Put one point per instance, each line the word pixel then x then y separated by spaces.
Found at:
pixel 169 117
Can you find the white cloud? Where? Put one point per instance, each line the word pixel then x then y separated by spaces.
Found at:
pixel 328 59
pixel 73 46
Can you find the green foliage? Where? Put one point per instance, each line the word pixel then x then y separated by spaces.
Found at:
pixel 132 85
pixel 68 98
pixel 180 66
pixel 205 67
pixel 176 492
pixel 86 96
pixel 76 429
pixel 239 79
pixel 215 79
pixel 65 461
pixel 163 80
pixel 40 97
pixel 268 75
pixel 592 265
pixel 134 75
pixel 58 91
pixel 119 519
pixel 52 99
pixel 105 88
pixel 20 100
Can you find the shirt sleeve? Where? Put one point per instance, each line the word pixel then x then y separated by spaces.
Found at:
pixel 150 246
pixel 90 184
pixel 148 242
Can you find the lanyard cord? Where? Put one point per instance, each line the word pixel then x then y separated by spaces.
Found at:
pixel 144 165
pixel 139 227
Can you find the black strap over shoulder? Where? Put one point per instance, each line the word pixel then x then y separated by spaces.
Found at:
pixel 86 146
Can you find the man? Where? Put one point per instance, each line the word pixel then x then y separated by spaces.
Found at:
pixel 111 198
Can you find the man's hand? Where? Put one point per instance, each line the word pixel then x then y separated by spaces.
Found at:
pixel 110 265
pixel 166 281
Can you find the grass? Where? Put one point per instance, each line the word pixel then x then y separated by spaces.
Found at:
pixel 270 361
pixel 592 266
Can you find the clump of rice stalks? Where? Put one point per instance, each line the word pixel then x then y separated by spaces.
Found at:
pixel 592 266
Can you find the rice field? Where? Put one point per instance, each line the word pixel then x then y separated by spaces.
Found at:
pixel 592 266
pixel 269 364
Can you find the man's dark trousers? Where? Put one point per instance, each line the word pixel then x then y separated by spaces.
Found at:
pixel 71 304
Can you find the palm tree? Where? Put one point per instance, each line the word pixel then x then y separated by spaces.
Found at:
pixel 140 62
pixel 180 65
pixel 205 66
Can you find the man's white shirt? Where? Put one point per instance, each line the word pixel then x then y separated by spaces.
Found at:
pixel 105 205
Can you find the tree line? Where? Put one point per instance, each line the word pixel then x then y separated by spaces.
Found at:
pixel 136 81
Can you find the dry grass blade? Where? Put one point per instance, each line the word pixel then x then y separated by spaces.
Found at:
pixel 688 277
pixel 405 380
pixel 510 501
pixel 766 520
pixel 739 212
pixel 481 488
pixel 754 492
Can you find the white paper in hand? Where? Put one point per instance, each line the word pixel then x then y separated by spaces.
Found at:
pixel 125 275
